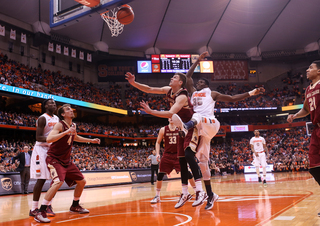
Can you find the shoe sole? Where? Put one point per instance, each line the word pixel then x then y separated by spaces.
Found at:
pixel 41 221
pixel 184 202
pixel 204 199
pixel 214 200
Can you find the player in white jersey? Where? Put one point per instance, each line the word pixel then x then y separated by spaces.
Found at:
pixel 258 147
pixel 38 166
pixel 203 100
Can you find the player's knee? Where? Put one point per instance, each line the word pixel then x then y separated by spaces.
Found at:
pixel 190 176
pixel 160 176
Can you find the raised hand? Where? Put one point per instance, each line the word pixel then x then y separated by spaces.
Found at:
pixel 130 77
pixel 145 106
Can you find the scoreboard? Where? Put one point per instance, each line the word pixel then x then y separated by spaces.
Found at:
pixel 172 63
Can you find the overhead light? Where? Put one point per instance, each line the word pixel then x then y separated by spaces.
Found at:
pixel 283 114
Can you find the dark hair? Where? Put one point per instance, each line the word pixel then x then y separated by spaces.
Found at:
pixel 61 110
pixel 206 81
pixel 43 104
pixel 183 78
pixel 317 62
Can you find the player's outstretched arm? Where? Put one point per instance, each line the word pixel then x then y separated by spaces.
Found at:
pixel 180 101
pixel 86 140
pixel 145 88
pixel 189 82
pixel 228 98
pixel 304 111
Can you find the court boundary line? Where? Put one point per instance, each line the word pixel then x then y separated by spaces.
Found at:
pixel 110 214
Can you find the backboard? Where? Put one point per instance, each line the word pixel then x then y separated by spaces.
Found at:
pixel 67 12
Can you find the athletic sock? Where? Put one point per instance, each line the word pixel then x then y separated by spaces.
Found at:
pixel 199 185
pixel 35 205
pixel 185 189
pixel 158 192
pixel 75 203
pixel 207 184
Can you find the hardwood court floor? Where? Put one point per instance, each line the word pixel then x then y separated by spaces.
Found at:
pixel 289 199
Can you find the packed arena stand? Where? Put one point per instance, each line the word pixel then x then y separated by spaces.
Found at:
pixel 16 74
pixel 288 151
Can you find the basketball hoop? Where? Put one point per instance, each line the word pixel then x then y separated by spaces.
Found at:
pixel 110 17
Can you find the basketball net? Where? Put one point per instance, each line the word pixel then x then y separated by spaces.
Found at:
pixel 110 17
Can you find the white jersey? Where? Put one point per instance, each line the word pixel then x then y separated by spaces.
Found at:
pixel 38 166
pixel 50 122
pixel 258 143
pixel 203 103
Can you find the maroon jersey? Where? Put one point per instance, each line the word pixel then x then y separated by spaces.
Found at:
pixel 313 99
pixel 186 111
pixel 61 149
pixel 170 140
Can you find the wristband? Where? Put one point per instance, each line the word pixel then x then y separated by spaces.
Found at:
pixel 251 92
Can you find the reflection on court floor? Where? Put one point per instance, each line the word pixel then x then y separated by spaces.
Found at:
pixel 242 202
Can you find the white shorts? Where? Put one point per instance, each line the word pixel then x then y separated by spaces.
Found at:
pixel 41 151
pixel 261 160
pixel 208 128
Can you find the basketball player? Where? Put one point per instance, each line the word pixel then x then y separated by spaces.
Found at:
pixel 169 161
pixel 59 162
pixel 311 106
pixel 180 104
pixel 203 100
pixel 258 147
pixel 38 166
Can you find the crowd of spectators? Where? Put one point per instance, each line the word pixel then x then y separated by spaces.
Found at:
pixel 19 75
pixel 288 150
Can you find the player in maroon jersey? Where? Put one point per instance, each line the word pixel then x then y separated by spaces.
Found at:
pixel 311 106
pixel 59 162
pixel 169 161
pixel 179 104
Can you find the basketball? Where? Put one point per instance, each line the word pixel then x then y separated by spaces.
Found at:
pixel 125 15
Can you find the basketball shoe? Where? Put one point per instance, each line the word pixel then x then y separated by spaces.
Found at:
pixel 183 199
pixel 155 200
pixel 32 213
pixel 259 178
pixel 178 123
pixel 50 212
pixel 78 209
pixel 201 196
pixel 41 217
pixel 264 183
pixel 210 201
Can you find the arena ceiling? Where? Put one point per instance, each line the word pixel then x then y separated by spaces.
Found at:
pixel 250 27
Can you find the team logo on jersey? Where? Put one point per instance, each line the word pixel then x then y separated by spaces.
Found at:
pixel 6 183
pixel 133 176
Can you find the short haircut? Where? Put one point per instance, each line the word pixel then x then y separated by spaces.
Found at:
pixel 43 105
pixel 183 78
pixel 61 111
pixel 317 62
pixel 206 81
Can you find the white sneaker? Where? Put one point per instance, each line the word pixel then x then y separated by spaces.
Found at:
pixel 178 123
pixel 210 201
pixel 183 199
pixel 201 196
pixel 155 200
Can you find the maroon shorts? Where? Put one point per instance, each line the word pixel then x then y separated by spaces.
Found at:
pixel 314 148
pixel 169 161
pixel 191 140
pixel 68 173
